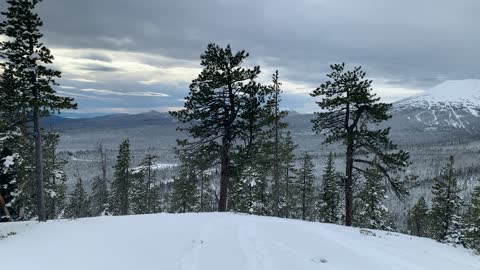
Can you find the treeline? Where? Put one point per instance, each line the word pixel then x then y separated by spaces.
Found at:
pixel 236 125
pixel 450 218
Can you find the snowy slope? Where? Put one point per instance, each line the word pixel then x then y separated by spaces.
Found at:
pixel 452 104
pixel 217 241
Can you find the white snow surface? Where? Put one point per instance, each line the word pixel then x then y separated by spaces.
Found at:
pixel 154 167
pixel 218 241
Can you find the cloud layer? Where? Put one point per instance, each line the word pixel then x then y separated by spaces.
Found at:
pixel 143 54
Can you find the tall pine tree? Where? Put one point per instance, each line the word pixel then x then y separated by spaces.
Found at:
pixel 276 126
pixel 349 112
pixel 26 62
pixel 215 102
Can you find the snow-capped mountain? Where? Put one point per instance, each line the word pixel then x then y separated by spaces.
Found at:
pixel 450 105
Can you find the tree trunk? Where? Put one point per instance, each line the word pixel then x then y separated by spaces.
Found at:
pixel 149 182
pixel 54 183
pixel 275 165
pixel 103 157
pixel 3 205
pixel 202 177
pixel 287 195
pixel 125 191
pixel 304 188
pixel 349 185
pixel 39 165
pixel 222 202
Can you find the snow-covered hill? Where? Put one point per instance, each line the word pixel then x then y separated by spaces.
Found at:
pixel 450 105
pixel 218 241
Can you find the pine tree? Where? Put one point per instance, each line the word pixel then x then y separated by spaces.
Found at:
pixel 79 204
pixel 143 198
pixel 274 117
pixel 372 213
pixel 150 181
pixel 349 111
pixel 215 102
pixel 287 175
pixel 99 197
pixel 138 193
pixel 472 222
pixel 305 188
pixel 329 210
pixel 184 198
pixel 100 193
pixel 249 173
pixel 205 193
pixel 55 177
pixel 119 201
pixel 446 205
pixel 26 65
pixel 418 219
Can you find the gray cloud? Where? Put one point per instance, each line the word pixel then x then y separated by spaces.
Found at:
pixel 98 67
pixel 408 44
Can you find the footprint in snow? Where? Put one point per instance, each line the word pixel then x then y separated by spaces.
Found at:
pixel 319 260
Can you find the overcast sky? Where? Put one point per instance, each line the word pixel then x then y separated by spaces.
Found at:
pixel 138 55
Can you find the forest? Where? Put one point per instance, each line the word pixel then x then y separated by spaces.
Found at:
pixel 238 154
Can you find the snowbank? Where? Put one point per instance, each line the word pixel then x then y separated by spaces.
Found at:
pixel 217 241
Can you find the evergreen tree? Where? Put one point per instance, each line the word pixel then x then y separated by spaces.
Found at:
pixel 305 188
pixel 26 66
pixel 472 222
pixel 144 198
pixel 372 213
pixel 9 190
pixel 446 205
pixel 150 181
pixel 205 193
pixel 119 203
pixel 249 166
pixel 287 176
pixel 138 193
pixel 215 102
pixel 349 111
pixel 99 196
pixel 276 126
pixel 329 210
pixel 184 198
pixel 55 177
pixel 79 204
pixel 418 219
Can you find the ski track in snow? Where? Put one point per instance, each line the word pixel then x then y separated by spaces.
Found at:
pixel 218 241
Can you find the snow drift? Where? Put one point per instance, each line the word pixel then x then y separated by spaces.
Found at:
pixel 217 241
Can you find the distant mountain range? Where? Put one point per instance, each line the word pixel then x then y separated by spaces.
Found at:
pixel 445 113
